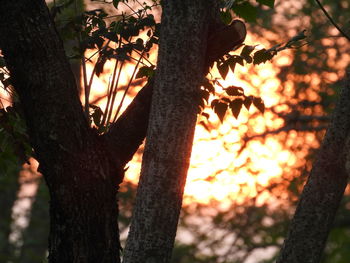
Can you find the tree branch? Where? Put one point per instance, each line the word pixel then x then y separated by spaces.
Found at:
pixel 331 20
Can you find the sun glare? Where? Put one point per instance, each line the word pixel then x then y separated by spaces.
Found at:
pixel 224 167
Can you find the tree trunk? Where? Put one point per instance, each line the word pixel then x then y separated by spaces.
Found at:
pixel 323 191
pixel 80 173
pixel 181 60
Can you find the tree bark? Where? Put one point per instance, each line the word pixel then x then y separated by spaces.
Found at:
pixel 181 60
pixel 323 191
pixel 81 174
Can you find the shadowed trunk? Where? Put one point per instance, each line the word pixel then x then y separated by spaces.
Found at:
pixel 323 191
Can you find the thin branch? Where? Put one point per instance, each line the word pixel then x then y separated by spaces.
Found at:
pixel 332 21
pixel 127 88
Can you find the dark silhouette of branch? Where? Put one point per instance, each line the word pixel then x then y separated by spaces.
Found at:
pixel 332 21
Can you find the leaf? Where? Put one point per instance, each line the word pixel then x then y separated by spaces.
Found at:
pixel 239 60
pixel 247 50
pixel 145 72
pixel 220 109
pixel 223 69
pixel 115 3
pixel 208 86
pixel 236 106
pixel 226 17
pixel 269 3
pixel 213 103
pixel 261 56
pixel 259 104
pixel 234 91
pixel 248 101
pixel 205 95
pixel 96 116
pixel 245 10
pixel 246 53
pixel 232 64
pixel 206 115
pixel 2 62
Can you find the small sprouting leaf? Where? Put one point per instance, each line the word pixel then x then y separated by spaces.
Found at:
pixel 223 69
pixel 248 101
pixel 206 115
pixel 236 106
pixel 96 115
pixel 149 33
pixel 234 91
pixel 204 95
pixel 269 3
pixel 115 3
pixel 145 72
pixel 220 109
pixel 259 104
pixel 261 56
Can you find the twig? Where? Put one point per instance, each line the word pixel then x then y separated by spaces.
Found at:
pixel 332 21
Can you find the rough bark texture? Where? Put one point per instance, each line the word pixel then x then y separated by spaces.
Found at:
pixel 323 191
pixel 170 133
pixel 79 169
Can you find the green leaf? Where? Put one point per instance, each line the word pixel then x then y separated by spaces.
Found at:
pixel 236 106
pixel 220 109
pixel 245 10
pixel 115 3
pixel 2 62
pixel 246 53
pixel 223 69
pixel 269 3
pixel 145 72
pixel 234 91
pixel 226 17
pixel 259 104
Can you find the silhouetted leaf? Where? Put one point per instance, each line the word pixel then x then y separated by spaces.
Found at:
pixel 206 115
pixel 223 69
pixel 204 94
pixel 261 56
pixel 145 72
pixel 239 60
pixel 226 17
pixel 248 101
pixel 245 10
pixel 259 104
pixel 234 91
pixel 236 106
pixel 116 3
pixel 220 109
pixel 213 103
pixel 269 3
